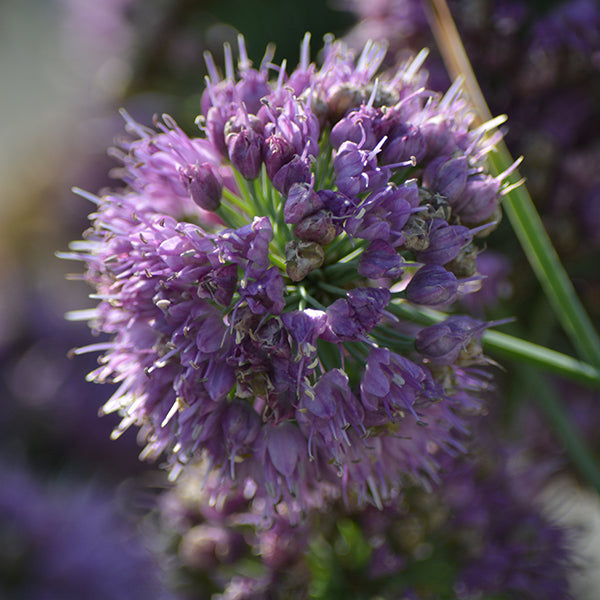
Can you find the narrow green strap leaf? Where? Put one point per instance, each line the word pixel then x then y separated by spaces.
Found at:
pixel 517 203
pixel 513 348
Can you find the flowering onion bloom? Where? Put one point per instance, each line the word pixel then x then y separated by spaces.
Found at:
pixel 252 278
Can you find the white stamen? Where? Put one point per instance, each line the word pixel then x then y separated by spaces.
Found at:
pixel 85 314
pixel 416 64
pixel 91 197
pixel 243 63
pixel 213 74
pixel 452 93
pixel 172 412
pixel 229 70
pixel 305 52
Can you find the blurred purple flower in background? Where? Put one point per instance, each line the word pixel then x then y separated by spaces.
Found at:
pixel 61 542
pixel 481 532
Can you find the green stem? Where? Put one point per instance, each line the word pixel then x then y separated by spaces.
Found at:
pixel 396 343
pixel 541 255
pixel 546 265
pixel 334 289
pixel 235 200
pixel 304 295
pixel 231 217
pixel 356 350
pixel 337 270
pixel 351 256
pixel 276 258
pixel 248 196
pixel 341 242
pixel 513 348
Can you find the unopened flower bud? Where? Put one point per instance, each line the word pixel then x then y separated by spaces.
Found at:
pixel 351 317
pixel 439 138
pixel 456 340
pixel 277 152
pixel 478 200
pixel 297 171
pixel 349 161
pixel 245 152
pixel 204 183
pixel 447 177
pixel 359 125
pixel 380 260
pixel 445 242
pixel 404 141
pixel 432 285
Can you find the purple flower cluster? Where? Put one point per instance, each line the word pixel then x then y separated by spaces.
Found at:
pixel 537 63
pixel 214 529
pixel 253 279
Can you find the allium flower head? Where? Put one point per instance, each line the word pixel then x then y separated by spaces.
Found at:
pixel 252 277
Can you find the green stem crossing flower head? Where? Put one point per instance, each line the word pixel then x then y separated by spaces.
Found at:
pixel 250 277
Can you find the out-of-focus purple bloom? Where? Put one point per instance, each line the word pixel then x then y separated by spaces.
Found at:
pixel 169 170
pixel 485 506
pixel 495 285
pixel 64 542
pixel 514 547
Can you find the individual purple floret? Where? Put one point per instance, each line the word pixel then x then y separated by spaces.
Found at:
pixel 432 284
pixel 453 341
pixel 255 323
